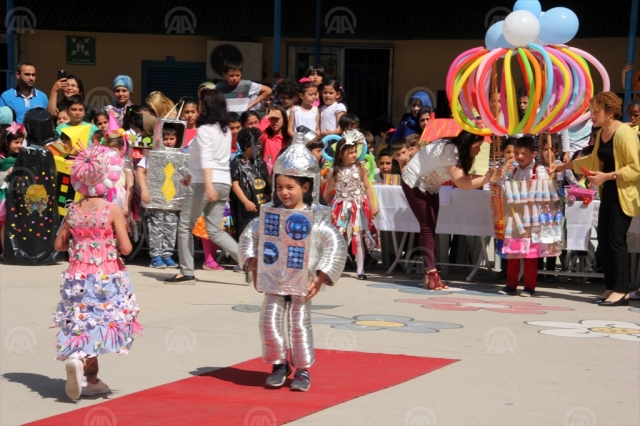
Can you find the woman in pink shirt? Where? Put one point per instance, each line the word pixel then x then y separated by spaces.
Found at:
pixel 274 135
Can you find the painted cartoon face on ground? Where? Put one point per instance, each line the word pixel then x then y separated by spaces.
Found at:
pixel 36 199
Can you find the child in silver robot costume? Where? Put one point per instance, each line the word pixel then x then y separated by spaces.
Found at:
pixel 313 254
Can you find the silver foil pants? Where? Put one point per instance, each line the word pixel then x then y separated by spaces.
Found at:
pixel 296 311
pixel 163 226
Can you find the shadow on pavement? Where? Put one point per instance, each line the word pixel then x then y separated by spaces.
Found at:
pixel 45 386
pixel 239 377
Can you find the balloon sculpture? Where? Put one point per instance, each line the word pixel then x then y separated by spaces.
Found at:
pixel 557 77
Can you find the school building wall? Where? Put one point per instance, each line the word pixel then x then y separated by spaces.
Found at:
pixel 416 63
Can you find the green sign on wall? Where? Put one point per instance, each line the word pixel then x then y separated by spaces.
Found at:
pixel 81 50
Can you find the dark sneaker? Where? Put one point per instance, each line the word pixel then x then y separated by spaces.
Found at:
pixel 183 280
pixel 278 375
pixel 361 277
pixel 301 381
pixel 509 291
pixel 157 263
pixel 169 262
pixel 527 292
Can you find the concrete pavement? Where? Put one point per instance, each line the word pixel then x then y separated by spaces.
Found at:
pixel 511 372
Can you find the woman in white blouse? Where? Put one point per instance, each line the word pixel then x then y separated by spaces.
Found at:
pixel 438 162
pixel 210 181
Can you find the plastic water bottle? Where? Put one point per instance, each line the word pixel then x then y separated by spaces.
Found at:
pixel 543 217
pixel 557 227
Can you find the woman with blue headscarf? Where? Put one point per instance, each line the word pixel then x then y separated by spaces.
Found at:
pixel 410 121
pixel 122 89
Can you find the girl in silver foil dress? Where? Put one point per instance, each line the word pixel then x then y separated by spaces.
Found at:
pixel 353 207
pixel 292 249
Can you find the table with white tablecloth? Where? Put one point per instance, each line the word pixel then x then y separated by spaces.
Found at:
pixel 467 213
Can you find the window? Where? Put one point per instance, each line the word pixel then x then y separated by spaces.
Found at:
pixel 174 79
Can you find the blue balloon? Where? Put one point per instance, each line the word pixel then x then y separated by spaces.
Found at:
pixel 532 6
pixel 495 39
pixel 558 25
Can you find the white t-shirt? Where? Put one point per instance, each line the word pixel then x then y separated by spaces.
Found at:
pixel 305 118
pixel 329 116
pixel 428 169
pixel 239 98
pixel 210 149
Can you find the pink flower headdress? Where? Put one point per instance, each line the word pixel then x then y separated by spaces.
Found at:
pixel 95 171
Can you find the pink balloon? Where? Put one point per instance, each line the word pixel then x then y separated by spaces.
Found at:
pixel 581 83
pixel 455 63
pixel 467 103
pixel 606 82
pixel 485 115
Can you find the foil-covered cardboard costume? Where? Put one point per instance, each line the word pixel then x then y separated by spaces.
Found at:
pixel 166 168
pixel 291 247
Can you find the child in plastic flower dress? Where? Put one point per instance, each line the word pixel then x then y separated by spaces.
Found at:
pixel 98 310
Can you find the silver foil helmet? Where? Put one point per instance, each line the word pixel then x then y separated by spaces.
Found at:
pixel 298 161
pixel 180 128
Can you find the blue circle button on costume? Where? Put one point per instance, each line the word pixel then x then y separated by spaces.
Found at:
pixel 298 227
pixel 270 253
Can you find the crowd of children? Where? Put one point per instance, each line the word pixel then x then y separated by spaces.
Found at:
pixel 263 123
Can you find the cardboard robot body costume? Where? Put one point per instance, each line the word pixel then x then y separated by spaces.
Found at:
pixel 270 237
pixel 167 167
pixel 291 246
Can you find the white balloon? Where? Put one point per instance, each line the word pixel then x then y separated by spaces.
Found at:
pixel 521 28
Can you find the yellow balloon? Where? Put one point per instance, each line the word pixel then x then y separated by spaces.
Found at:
pixel 456 109
pixel 561 103
pixel 511 95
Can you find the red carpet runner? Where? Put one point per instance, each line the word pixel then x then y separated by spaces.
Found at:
pixel 235 395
